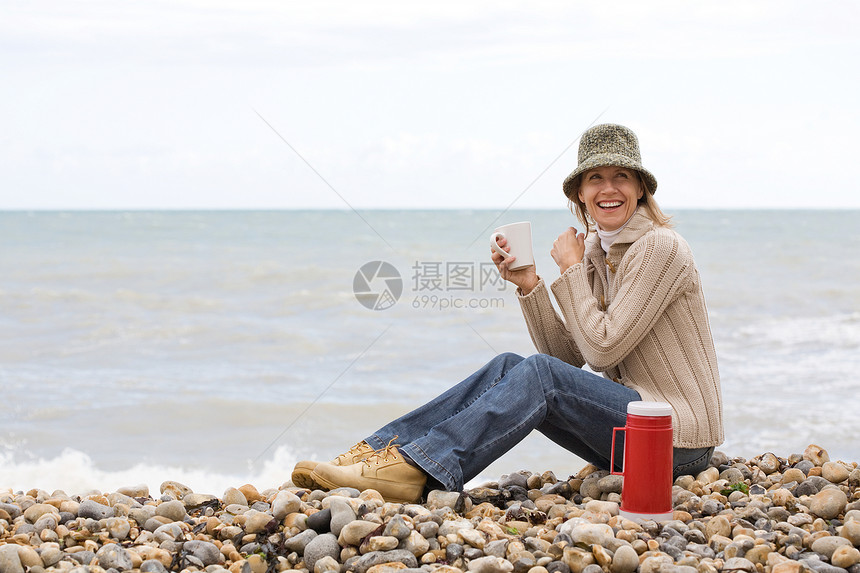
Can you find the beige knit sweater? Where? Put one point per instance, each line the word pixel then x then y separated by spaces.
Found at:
pixel 645 326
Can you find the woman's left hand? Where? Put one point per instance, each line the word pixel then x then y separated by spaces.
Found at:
pixel 568 249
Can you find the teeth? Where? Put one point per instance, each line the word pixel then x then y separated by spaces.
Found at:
pixel 610 204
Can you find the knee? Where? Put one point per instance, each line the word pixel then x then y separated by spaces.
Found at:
pixel 539 361
pixel 544 370
pixel 508 359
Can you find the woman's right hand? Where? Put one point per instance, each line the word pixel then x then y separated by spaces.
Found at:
pixel 525 278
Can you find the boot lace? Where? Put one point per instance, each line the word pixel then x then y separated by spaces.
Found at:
pixel 382 454
pixel 356 449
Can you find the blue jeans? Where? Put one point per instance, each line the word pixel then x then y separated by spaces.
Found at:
pixel 459 433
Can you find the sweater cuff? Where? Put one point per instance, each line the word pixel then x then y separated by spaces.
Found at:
pixel 540 285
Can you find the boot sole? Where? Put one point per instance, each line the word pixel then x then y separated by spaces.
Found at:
pixel 303 475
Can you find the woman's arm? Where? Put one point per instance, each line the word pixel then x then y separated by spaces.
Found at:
pixel 546 328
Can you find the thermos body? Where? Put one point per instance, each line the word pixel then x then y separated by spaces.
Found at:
pixel 647 464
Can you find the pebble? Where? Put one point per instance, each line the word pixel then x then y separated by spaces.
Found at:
pixel 140 490
pixel 173 510
pixel 319 547
pixel 9 560
pixel 341 513
pixel 816 455
pixel 797 514
pixel 111 556
pixel 828 503
pixel 284 504
pixel 206 551
pixel 834 472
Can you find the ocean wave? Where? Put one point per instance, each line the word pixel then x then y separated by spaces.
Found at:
pixel 842 330
pixel 75 473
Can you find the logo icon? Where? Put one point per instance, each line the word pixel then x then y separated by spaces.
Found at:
pixel 377 285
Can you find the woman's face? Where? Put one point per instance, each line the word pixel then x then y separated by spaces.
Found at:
pixel 610 195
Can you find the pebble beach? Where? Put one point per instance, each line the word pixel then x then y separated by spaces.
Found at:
pixel 768 514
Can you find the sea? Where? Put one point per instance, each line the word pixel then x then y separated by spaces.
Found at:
pixel 217 348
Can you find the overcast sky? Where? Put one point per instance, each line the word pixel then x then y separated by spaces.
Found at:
pixel 258 104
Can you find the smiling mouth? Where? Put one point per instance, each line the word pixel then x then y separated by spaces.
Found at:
pixel 609 204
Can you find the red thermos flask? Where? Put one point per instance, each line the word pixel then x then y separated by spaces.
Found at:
pixel 647 464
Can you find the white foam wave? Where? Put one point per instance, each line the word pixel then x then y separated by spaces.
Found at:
pixel 75 473
pixel 840 331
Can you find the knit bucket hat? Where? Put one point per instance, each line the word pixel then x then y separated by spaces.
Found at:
pixel 605 145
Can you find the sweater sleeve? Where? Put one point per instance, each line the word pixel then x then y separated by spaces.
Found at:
pixel 546 328
pixel 653 272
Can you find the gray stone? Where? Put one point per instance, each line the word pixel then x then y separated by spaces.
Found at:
pixel 9 560
pixel 152 566
pixel 327 565
pixel 610 484
pixel 490 564
pixel 195 500
pixel 590 488
pixel 471 553
pixel 827 545
pixel 712 507
pixel 365 562
pixel 47 521
pixel 345 492
pixel 319 547
pixel 83 557
pixel 51 554
pixel 625 560
pixel 167 532
pixel 732 475
pixel 172 510
pixel 142 514
pixel 517 479
pixel 140 490
pixel 13 510
pixel 299 541
pixel 207 552
pixel 821 567
pixel 429 529
pixel 94 510
pixel 397 527
pixel 453 552
pixel 739 564
pixel 438 499
pixel 496 548
pixel 285 503
pixel 341 514
pixel 114 556
pixel 320 521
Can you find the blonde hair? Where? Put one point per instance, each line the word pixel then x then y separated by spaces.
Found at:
pixel 647 202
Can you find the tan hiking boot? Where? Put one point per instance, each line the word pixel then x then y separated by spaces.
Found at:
pixel 385 470
pixel 302 472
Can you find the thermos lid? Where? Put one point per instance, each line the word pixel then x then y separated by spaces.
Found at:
pixel 652 409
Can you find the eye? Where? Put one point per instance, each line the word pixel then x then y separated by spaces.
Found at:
pixel 594 176
pixel 623 174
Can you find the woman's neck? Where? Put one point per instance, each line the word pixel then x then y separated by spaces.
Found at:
pixel 608 237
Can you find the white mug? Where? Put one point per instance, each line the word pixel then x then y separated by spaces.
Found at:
pixel 519 237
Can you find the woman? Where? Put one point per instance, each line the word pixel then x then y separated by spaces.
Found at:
pixel 632 308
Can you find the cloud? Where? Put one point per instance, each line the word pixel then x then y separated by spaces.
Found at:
pixel 432 104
